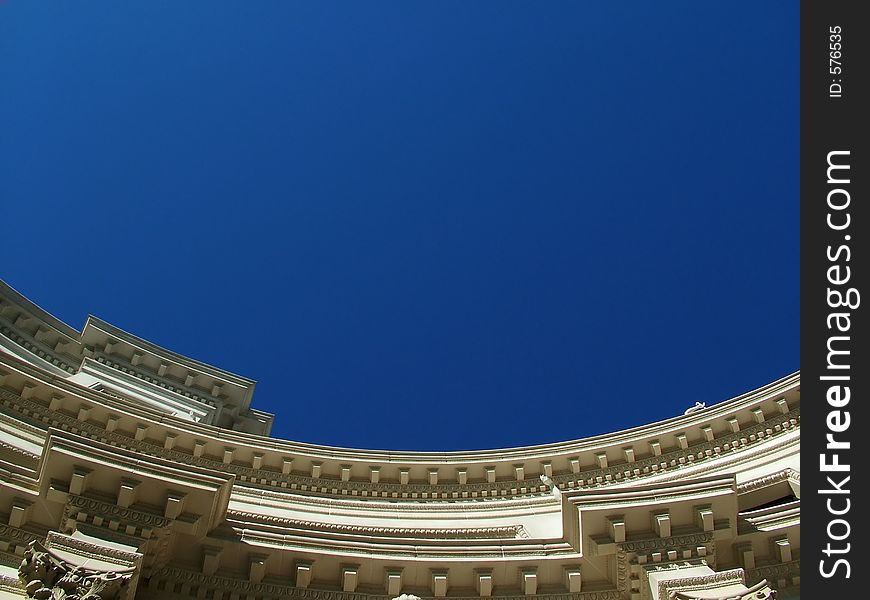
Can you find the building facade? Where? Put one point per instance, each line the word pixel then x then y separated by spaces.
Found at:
pixel 128 471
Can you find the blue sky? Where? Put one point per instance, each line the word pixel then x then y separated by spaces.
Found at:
pixel 418 225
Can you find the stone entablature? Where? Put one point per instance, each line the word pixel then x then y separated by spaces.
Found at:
pixel 100 460
pixel 189 443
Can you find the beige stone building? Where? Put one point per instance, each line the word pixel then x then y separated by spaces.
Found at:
pixel 129 471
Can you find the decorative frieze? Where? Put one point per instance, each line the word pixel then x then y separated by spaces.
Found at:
pixel 101 514
pixel 650 545
pixel 781 576
pixel 16 540
pixel 170 577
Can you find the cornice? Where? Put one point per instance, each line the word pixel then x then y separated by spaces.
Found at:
pixel 414 550
pixel 728 446
pixel 709 468
pixel 771 518
pixel 653 493
pixel 280 497
pixel 61 347
pixel 723 447
pixel 39 349
pixel 533 452
pixel 7 291
pixel 95 323
pixel 179 389
pixel 93 551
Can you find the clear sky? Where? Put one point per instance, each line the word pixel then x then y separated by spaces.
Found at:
pixel 418 225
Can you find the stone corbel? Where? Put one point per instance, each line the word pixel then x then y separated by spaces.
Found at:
pixel 393 577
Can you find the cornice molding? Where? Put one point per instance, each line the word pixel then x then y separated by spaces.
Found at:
pixel 39 349
pixel 506 532
pixel 19 451
pixel 788 474
pixel 90 550
pixel 416 550
pixel 186 392
pixel 724 447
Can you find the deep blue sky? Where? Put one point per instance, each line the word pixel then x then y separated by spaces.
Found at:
pixel 419 225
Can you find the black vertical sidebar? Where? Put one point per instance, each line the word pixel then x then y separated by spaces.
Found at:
pixel 835 299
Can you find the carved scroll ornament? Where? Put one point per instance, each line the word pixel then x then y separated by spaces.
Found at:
pixel 47 577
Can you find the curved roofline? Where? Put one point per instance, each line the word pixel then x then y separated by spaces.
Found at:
pixel 567 446
pixel 114 330
pixel 717 410
pixel 33 307
pixel 549 450
pixel 710 412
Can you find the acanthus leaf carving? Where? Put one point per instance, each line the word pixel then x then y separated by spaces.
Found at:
pixel 47 577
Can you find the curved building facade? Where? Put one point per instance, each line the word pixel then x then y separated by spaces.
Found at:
pixel 128 471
